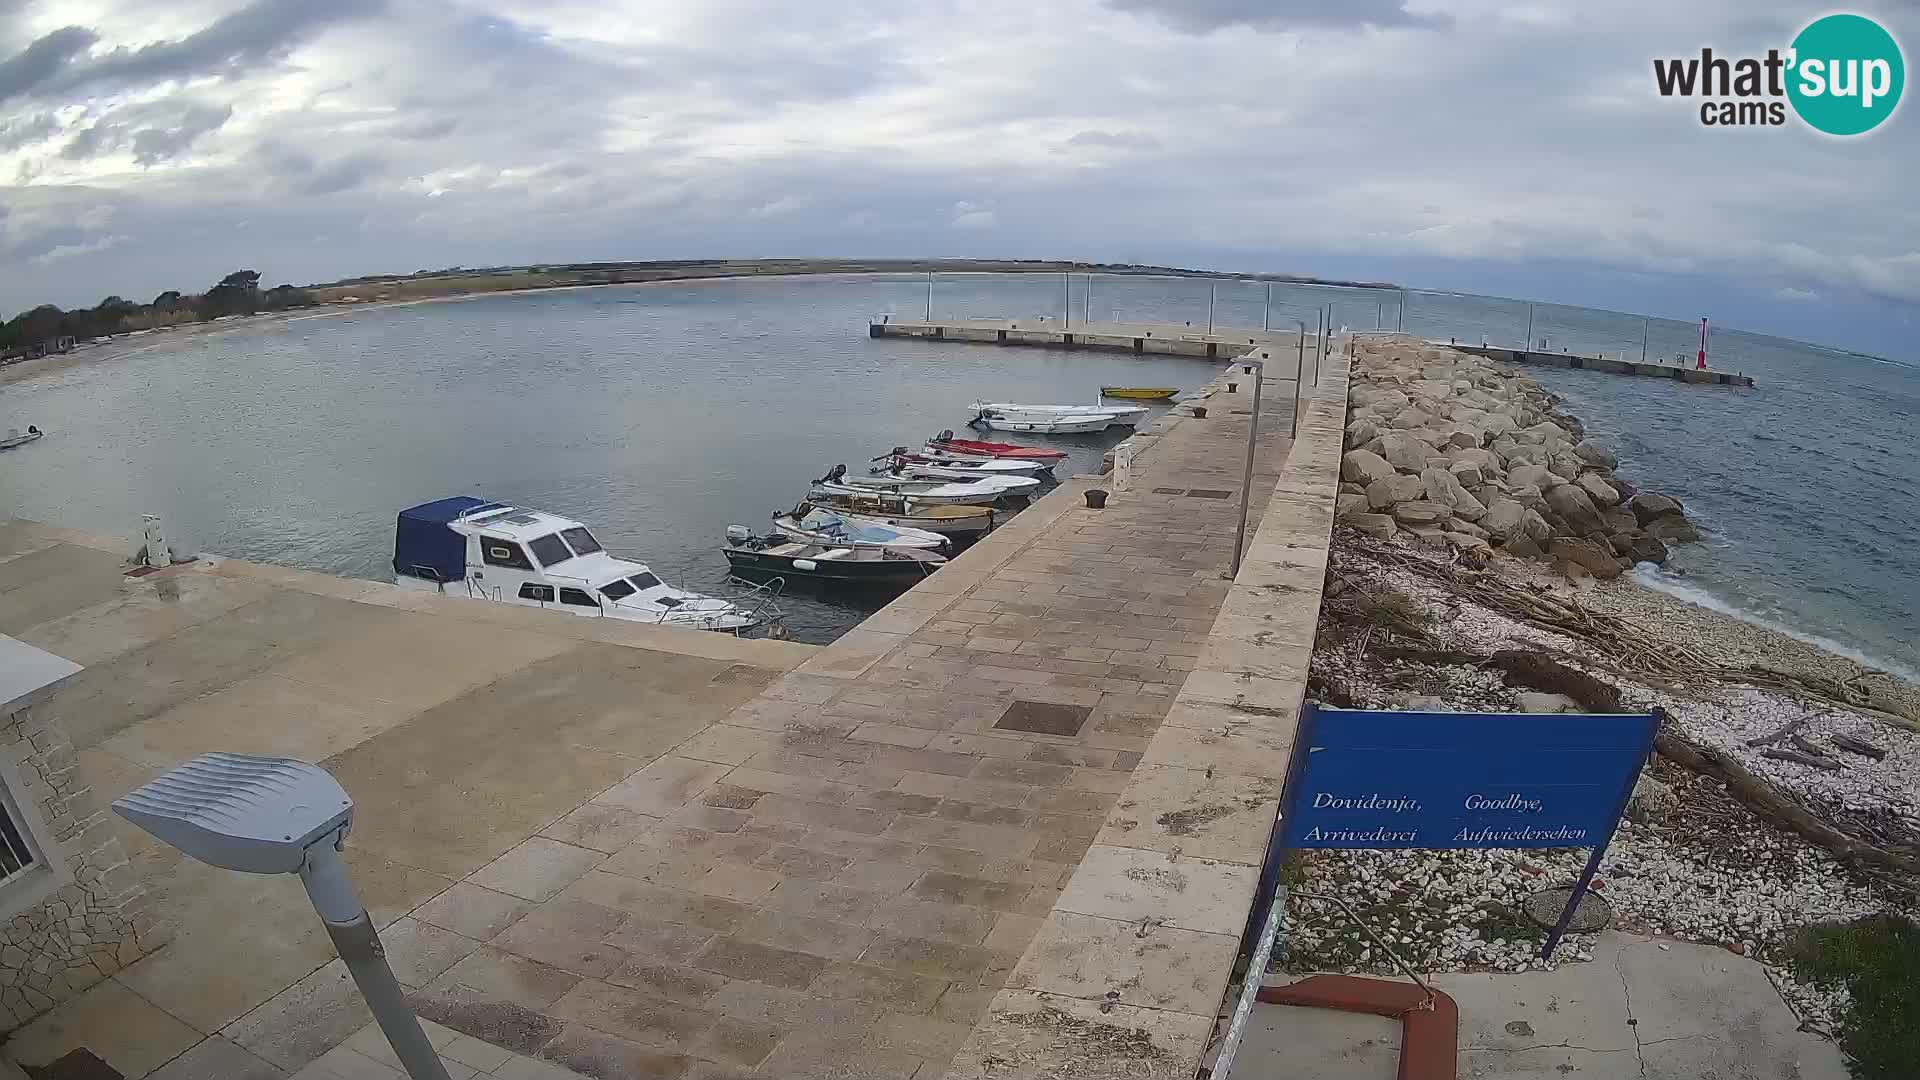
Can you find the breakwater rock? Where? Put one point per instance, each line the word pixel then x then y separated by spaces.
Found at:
pixel 1454 451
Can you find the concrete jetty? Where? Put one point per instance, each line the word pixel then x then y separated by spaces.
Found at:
pixel 1165 339
pixel 1608 364
pixel 1042 777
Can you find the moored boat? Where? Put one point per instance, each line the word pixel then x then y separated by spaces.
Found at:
pixel 1055 425
pixel 970 464
pixel 821 525
pixel 957 522
pixel 1139 393
pixel 982 491
pixel 782 556
pixel 15 438
pixel 468 547
pixel 946 441
pixel 1118 415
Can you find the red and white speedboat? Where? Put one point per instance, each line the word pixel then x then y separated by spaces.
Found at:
pixel 946 442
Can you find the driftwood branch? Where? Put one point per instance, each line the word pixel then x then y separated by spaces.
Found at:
pixel 1782 732
pixel 1776 806
pixel 1801 757
pixel 1860 746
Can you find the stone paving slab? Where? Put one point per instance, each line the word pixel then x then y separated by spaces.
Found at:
pixel 838 876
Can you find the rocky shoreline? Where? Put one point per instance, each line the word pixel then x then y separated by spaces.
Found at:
pixel 1478 566
pixel 1457 451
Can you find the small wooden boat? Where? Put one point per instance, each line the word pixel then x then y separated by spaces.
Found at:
pixel 960 523
pixel 14 438
pixel 820 525
pixel 1139 393
pixel 781 556
pixel 946 441
pixel 1057 425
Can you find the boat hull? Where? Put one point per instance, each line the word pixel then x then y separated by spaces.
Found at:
pixel 997 449
pixel 1139 393
pixel 964 523
pixel 865 570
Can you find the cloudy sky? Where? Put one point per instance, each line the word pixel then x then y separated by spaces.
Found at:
pixel 1508 146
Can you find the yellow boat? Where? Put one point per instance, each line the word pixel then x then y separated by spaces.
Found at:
pixel 1140 393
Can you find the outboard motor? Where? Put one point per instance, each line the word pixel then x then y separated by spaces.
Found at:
pixel 738 535
pixel 946 436
pixel 834 475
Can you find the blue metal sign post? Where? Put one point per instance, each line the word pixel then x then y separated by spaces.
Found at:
pixel 1370 779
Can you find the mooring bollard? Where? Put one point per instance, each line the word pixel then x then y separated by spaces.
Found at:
pixel 1233 388
pixel 1200 412
pixel 1096 499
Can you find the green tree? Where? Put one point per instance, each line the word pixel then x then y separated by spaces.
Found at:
pixel 167 301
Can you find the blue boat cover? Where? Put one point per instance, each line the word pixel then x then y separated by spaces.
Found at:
pixel 424 547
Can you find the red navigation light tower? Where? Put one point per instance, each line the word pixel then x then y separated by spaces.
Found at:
pixel 1702 365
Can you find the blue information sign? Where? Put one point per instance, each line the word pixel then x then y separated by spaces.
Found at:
pixel 1368 779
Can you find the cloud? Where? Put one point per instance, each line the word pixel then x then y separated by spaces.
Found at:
pixel 1203 16
pixel 152 132
pixel 86 247
pixel 1796 295
pixel 39 62
pixel 1228 133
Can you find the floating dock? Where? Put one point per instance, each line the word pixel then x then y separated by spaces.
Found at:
pixel 1611 366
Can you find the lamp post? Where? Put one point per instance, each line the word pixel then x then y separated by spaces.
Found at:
pixel 269 815
pixel 1257 369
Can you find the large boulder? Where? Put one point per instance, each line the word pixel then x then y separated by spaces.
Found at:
pixel 1536 527
pixel 1380 525
pixel 1643 548
pixel 1596 455
pixel 1538 476
pixel 1380 398
pixel 1404 452
pixel 1361 432
pixel 1565 466
pixel 1463 438
pixel 1362 467
pixel 1345 506
pixel 1443 488
pixel 1394 490
pixel 1468 473
pixel 1673 529
pixel 1420 512
pixel 1648 506
pixel 1412 417
pixel 1482 458
pixel 1617 520
pixel 1504 519
pixel 1596 558
pixel 1574 506
pixel 1598 490
pixel 1528 496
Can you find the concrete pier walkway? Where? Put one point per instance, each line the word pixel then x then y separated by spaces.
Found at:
pixel 1171 339
pixel 618 851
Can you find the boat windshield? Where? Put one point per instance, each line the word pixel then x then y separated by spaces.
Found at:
pixel 581 541
pixel 550 549
pixel 617 590
pixel 644 580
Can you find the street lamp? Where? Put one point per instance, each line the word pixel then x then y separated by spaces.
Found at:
pixel 272 815
pixel 1257 369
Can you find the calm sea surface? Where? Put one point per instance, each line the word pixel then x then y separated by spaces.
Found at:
pixel 659 414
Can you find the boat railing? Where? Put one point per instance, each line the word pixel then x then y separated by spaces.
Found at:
pixel 759 599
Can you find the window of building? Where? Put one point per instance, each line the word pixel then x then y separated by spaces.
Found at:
pixel 531 591
pixel 577 598
pixel 503 553
pixel 617 590
pixel 550 549
pixel 16 855
pixel 581 541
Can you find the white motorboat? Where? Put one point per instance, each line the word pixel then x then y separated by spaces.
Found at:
pixel 1012 413
pixel 832 528
pixel 1072 425
pixel 14 438
pixel 968 464
pixel 979 492
pixel 463 546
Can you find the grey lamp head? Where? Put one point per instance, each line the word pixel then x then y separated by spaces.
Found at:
pixel 254 814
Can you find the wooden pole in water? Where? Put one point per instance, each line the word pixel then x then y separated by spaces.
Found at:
pixel 1266 316
pixel 929 296
pixel 1645 325
pixel 1086 303
pixel 1212 290
pixel 1529 345
pixel 1066 295
pixel 1403 311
